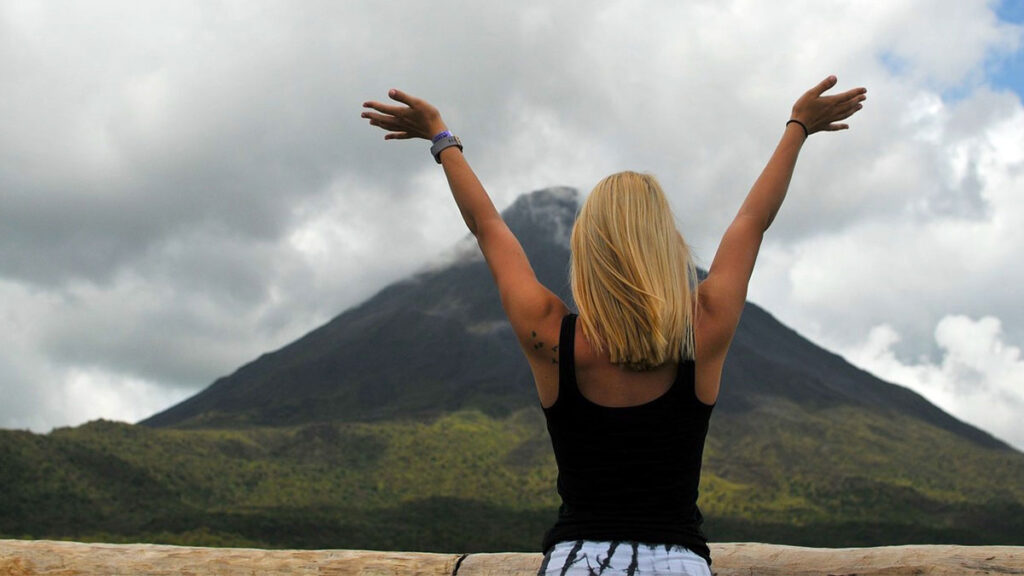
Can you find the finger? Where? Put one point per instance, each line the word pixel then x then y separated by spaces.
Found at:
pixel 397 136
pixel 844 116
pixel 383 119
pixel 824 85
pixel 373 116
pixel 846 111
pixel 836 127
pixel 385 108
pixel 402 97
pixel 837 101
pixel 854 94
pixel 388 125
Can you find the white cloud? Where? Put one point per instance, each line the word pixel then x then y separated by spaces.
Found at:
pixel 89 394
pixel 929 226
pixel 184 186
pixel 944 48
pixel 980 378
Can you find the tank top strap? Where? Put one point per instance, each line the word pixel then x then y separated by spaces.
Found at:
pixel 567 360
pixel 686 388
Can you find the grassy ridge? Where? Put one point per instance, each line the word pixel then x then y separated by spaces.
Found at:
pixel 468 482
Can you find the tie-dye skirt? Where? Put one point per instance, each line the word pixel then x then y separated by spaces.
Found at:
pixel 588 558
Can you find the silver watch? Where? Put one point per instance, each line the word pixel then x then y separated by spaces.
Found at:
pixel 443 143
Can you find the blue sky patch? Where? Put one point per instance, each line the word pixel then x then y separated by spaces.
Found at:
pixel 1007 70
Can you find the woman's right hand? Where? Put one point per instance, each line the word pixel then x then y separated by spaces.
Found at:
pixel 417 119
pixel 817 112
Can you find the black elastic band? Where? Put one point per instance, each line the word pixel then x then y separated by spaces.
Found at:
pixel 806 133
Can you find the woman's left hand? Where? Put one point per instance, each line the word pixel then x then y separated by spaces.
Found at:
pixel 417 119
pixel 817 112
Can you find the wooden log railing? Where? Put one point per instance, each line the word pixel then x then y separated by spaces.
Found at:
pixel 51 558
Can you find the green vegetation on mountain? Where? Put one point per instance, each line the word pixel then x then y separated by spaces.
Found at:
pixel 469 482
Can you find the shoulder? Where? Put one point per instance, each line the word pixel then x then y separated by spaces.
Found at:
pixel 540 341
pixel 539 323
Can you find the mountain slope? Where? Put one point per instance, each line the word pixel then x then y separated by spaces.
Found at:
pixel 439 342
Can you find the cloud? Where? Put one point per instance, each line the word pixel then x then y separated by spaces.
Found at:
pixel 980 378
pixel 88 395
pixel 940 236
pixel 186 186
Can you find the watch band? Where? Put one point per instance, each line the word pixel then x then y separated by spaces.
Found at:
pixel 446 142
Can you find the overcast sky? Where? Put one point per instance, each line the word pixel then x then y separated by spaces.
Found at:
pixel 186 185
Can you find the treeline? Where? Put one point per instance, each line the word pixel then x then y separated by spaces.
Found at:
pixel 466 482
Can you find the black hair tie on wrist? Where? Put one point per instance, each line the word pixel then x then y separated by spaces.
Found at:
pixel 806 133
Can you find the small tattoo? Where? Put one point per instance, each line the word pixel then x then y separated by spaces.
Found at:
pixel 539 344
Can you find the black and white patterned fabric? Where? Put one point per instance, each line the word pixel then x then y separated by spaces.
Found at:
pixel 589 558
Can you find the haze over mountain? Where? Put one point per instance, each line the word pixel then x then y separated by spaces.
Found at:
pixel 439 342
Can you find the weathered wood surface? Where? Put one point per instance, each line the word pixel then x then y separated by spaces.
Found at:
pixel 773 560
pixel 49 558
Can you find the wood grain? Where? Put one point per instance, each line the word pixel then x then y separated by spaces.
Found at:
pixel 51 558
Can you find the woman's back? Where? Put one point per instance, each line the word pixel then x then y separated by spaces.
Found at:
pixel 607 384
pixel 629 460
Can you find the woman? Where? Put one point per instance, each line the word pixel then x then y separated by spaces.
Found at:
pixel 628 389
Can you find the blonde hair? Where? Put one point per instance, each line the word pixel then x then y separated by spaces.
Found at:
pixel 632 275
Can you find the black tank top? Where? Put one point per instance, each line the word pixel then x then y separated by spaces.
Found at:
pixel 627 474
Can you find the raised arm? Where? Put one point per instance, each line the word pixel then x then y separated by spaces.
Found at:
pixel 531 308
pixel 724 291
